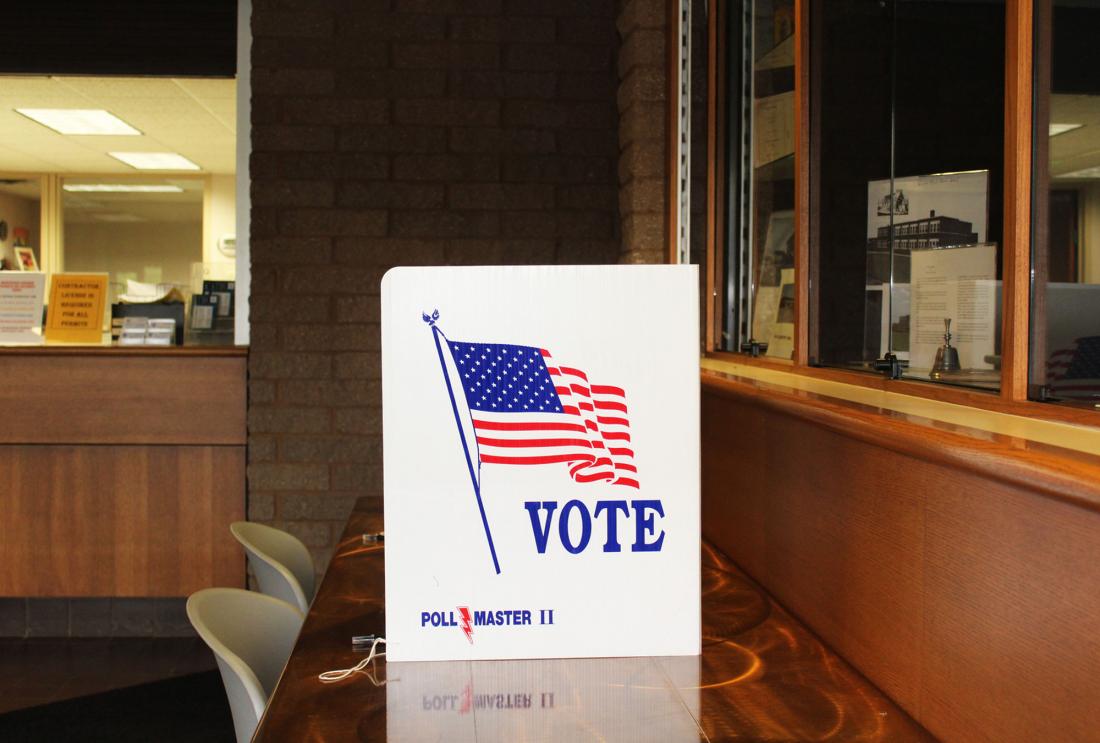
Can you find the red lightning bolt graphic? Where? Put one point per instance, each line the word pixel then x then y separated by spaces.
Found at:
pixel 465 613
pixel 467 699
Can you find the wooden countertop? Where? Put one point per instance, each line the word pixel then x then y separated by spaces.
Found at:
pixel 761 676
pixel 1068 473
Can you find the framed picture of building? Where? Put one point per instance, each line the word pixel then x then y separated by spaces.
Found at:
pixel 924 211
pixel 939 210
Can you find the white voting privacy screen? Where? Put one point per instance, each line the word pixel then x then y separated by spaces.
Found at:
pixel 541 453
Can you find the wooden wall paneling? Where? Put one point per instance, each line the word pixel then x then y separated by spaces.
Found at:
pixel 1012 608
pixel 112 399
pixel 968 592
pixel 214 557
pixel 1015 289
pixel 824 556
pixel 119 520
pixel 737 522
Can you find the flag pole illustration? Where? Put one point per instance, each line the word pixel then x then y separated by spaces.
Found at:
pixel 526 409
pixel 474 477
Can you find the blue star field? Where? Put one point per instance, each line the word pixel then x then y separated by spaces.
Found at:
pixel 499 378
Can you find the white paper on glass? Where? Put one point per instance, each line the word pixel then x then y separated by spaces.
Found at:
pixel 21 299
pixel 957 284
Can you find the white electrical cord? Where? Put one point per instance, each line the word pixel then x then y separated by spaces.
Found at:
pixel 329 677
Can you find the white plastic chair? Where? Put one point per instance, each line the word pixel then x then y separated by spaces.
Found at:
pixel 251 636
pixel 281 563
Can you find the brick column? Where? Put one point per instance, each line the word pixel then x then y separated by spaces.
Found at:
pixel 642 102
pixel 402 132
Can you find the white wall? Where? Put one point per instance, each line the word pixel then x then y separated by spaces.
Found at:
pixel 244 149
pixel 1089 256
pixel 150 251
pixel 19 212
pixel 220 219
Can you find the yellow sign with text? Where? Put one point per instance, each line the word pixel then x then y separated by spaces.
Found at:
pixel 77 303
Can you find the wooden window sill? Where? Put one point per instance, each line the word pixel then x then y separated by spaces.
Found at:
pixel 1060 459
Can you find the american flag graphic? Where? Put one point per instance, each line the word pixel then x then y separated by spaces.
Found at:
pixel 527 410
pixel 1074 372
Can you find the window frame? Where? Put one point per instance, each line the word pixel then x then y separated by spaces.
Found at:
pixel 1017 228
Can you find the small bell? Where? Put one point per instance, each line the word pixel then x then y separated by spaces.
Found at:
pixel 947 356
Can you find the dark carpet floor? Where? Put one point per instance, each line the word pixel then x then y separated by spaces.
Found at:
pixel 187 708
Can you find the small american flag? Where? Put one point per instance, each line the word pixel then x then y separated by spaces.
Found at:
pixel 527 410
pixel 1075 372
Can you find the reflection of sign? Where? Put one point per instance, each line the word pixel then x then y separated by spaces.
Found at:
pixel 564 699
pixel 536 504
pixel 21 307
pixel 77 303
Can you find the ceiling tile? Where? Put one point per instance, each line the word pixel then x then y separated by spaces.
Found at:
pixel 194 117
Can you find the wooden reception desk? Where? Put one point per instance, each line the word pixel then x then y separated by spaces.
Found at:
pixel 120 470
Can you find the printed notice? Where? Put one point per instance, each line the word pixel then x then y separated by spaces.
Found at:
pixel 77 302
pixel 21 294
pixel 956 284
pixel 781 333
pixel 773 132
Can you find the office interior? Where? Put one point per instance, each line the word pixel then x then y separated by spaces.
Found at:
pixel 895 212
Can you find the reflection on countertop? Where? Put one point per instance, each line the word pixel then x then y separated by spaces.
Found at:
pixel 762 676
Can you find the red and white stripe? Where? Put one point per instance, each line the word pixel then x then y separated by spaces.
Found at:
pixel 1061 384
pixel 1058 363
pixel 591 435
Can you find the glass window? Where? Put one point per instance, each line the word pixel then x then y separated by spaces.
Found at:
pixel 909 151
pixel 1065 301
pixel 152 204
pixel 165 243
pixel 759 291
pixel 146 230
pixel 20 222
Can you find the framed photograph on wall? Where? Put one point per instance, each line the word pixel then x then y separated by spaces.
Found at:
pixel 938 210
pixel 24 258
pixel 203 309
pixel 224 291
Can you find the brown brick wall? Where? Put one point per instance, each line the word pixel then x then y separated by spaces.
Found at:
pixel 642 102
pixel 398 132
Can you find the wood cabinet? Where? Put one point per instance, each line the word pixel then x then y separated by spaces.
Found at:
pixel 121 470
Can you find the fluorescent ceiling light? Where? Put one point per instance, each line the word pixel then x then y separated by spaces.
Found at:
pixel 79 121
pixel 154 160
pixel 1093 172
pixel 1056 129
pixel 117 218
pixel 121 188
